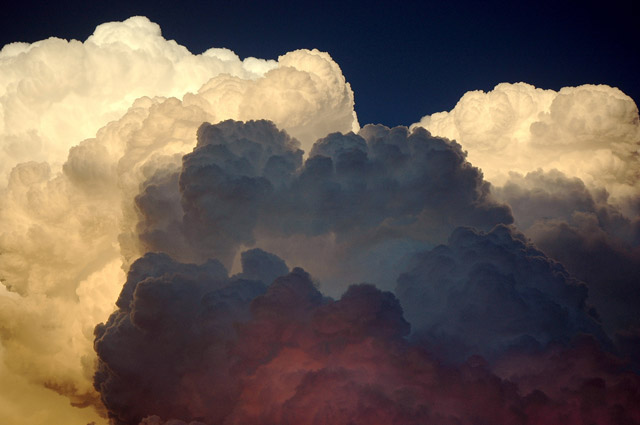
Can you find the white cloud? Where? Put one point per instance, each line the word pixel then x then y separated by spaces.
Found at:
pixel 54 93
pixel 590 132
pixel 82 124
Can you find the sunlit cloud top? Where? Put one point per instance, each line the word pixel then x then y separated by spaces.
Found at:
pixel 203 238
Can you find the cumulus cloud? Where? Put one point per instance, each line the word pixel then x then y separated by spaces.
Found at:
pixel 296 356
pixel 485 293
pixel 566 163
pixel 595 241
pixel 581 384
pixel 361 197
pixel 55 93
pixel 590 132
pixel 83 125
pixel 172 318
pixel 188 184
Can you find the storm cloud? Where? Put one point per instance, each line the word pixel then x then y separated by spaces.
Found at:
pixel 199 239
pixel 358 196
pixel 296 356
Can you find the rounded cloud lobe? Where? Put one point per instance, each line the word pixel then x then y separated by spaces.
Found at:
pixel 55 93
pixel 197 180
pixel 590 132
pixel 83 124
pixel 246 184
pixel 174 322
pixel 595 241
pixel 488 293
pixel 296 356
pixel 566 163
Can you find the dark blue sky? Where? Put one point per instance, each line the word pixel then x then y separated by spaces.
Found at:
pixel 403 59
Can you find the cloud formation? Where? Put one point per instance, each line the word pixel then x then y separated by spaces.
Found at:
pixel 419 291
pixel 591 132
pixel 362 198
pixel 172 318
pixel 55 93
pixel 299 357
pixel 567 164
pixel 488 293
pixel 83 124
pixel 592 238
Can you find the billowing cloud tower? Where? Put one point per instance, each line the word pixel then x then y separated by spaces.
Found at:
pixel 568 165
pixel 199 239
pixel 83 126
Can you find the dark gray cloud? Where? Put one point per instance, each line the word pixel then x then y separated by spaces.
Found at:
pixel 591 237
pixel 189 344
pixel 169 336
pixel 381 194
pixel 294 356
pixel 485 293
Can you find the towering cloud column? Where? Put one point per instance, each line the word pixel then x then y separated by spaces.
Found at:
pixel 83 125
pixel 207 240
pixel 568 165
